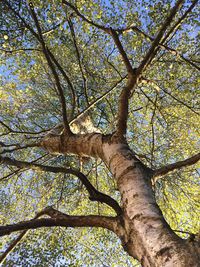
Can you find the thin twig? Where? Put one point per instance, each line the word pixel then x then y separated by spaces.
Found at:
pixel 79 59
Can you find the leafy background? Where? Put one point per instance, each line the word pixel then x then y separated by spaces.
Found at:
pixel 162 126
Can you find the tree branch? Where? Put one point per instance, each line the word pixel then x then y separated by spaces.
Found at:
pixel 16 241
pixel 174 29
pixel 66 77
pixel 123 107
pixel 178 23
pixel 92 104
pixel 133 75
pixel 10 130
pixel 84 18
pixel 157 88
pixel 133 79
pixel 174 166
pixel 152 51
pixel 49 52
pixel 54 214
pixel 121 51
pixel 161 45
pixel 17 147
pixel 136 29
pixel 71 26
pixel 53 70
pixel 61 219
pixel 48 56
pixel 95 195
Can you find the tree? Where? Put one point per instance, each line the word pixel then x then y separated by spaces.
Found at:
pixel 105 93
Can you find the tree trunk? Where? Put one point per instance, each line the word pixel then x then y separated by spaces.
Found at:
pixel 146 236
pixel 149 238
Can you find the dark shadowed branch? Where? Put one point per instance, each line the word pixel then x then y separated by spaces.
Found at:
pixel 66 77
pixel 61 219
pixel 15 147
pixel 173 29
pixel 10 130
pixel 95 195
pixel 169 49
pixel 55 215
pixel 127 90
pixel 19 50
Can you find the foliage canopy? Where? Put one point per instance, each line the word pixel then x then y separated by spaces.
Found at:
pixel 162 125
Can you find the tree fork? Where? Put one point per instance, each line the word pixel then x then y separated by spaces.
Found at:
pixel 148 236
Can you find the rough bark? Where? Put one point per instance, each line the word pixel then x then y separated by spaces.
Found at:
pixel 146 235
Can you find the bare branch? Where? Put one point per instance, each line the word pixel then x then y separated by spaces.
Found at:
pixel 10 130
pixel 173 30
pixel 189 62
pixel 6 126
pixel 111 64
pixel 48 56
pixel 161 45
pixel 53 28
pixel 110 31
pixel 175 166
pixel 95 195
pixel 12 245
pixel 97 100
pixel 47 211
pixel 19 50
pixel 20 170
pixel 49 52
